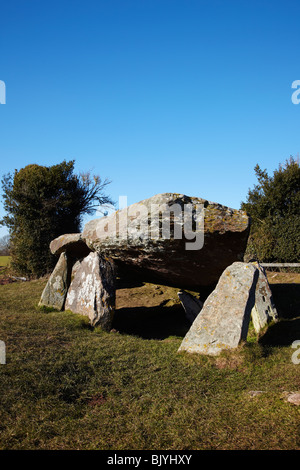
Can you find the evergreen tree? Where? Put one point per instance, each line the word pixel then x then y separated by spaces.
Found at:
pixel 274 207
pixel 42 203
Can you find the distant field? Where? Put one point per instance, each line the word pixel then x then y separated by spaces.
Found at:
pixel 4 260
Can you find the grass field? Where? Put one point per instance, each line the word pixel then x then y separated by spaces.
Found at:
pixel 67 386
pixel 4 261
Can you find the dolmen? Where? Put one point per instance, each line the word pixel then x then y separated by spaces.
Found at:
pixel 170 238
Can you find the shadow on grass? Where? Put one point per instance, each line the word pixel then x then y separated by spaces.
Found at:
pixel 282 333
pixel 287 329
pixel 287 299
pixel 160 322
pixel 152 322
pixel 128 283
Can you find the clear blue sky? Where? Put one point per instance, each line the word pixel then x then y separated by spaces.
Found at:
pixel 159 96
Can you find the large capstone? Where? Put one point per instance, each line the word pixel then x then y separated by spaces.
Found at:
pixel 172 239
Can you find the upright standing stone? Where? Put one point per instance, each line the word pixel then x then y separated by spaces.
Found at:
pixel 56 289
pixel 224 319
pixel 264 309
pixel 92 290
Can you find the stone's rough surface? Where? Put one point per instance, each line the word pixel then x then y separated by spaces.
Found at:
pixel 224 319
pixel 192 306
pixel 223 322
pixel 72 243
pixel 264 309
pixel 55 292
pixel 134 241
pixel 92 290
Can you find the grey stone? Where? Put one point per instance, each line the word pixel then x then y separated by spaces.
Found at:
pixel 264 309
pixel 132 237
pixel 54 294
pixel 242 292
pixel 192 306
pixel 92 290
pixel 294 398
pixel 224 319
pixel 71 243
pixel 255 393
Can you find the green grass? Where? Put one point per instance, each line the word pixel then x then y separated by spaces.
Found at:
pixel 4 261
pixel 67 386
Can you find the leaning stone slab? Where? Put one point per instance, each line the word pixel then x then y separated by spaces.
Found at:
pixel 264 309
pixel 92 290
pixel 55 292
pixel 191 305
pixel 71 243
pixel 224 319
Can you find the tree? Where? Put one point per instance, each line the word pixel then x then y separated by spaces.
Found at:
pixel 42 203
pixel 4 245
pixel 273 205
